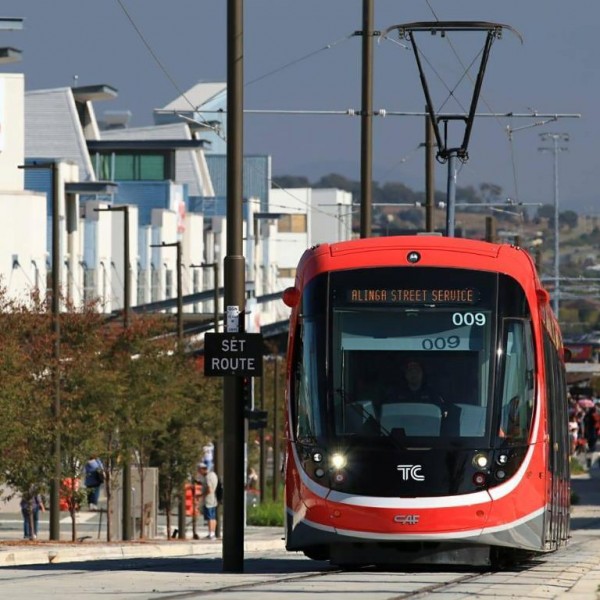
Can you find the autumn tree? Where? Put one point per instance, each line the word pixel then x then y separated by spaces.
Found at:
pixel 27 367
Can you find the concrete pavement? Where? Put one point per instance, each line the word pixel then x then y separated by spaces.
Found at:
pixel 15 552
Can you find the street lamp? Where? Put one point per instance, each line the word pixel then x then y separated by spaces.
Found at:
pixel 126 521
pixel 56 262
pixel 177 245
pixel 126 259
pixel 179 287
pixel 555 149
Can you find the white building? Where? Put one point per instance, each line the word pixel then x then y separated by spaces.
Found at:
pixel 308 217
pixel 23 252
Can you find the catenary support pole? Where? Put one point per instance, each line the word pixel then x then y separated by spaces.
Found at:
pixel 366 121
pixel 234 265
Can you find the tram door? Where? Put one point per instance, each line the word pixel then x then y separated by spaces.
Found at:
pixel 557 525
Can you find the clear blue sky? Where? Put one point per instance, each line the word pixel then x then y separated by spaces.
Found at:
pixel 310 61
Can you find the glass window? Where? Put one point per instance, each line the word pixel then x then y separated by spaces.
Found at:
pixel 131 167
pixel 517 381
pixel 286 273
pixel 309 400
pixel 292 224
pixel 412 372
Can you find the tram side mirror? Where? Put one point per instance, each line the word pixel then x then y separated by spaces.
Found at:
pixel 291 296
pixel 543 296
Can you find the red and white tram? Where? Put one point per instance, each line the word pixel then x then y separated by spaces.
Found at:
pixel 471 471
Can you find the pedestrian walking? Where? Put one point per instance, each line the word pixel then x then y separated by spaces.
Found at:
pixel 32 504
pixel 94 478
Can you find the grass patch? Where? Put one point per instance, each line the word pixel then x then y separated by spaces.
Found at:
pixel 576 467
pixel 267 514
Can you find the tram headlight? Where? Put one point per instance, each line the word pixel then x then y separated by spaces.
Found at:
pixel 317 457
pixel 502 459
pixel 481 460
pixel 338 461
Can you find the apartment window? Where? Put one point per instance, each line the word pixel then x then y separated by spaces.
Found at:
pixel 286 273
pixel 292 224
pixel 132 167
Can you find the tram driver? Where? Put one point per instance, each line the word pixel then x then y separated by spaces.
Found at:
pixel 416 388
pixel 417 409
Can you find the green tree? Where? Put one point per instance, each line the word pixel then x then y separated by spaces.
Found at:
pixel 568 218
pixel 291 181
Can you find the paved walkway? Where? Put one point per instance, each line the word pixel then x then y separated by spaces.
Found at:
pixel 15 551
pixel 42 551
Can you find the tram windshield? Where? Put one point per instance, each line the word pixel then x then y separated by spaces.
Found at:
pixel 416 364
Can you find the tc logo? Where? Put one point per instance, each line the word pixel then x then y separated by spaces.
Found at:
pixel 410 472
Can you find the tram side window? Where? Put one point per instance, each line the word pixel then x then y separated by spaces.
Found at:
pixel 308 420
pixel 518 382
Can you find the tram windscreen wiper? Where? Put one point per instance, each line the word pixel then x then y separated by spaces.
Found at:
pixel 369 422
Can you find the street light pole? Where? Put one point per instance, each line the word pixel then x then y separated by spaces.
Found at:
pixel 56 409
pixel 181 509
pixel 126 506
pixel 555 149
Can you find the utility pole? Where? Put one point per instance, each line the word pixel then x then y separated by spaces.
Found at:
pixel 235 297
pixel 366 120
pixel 555 138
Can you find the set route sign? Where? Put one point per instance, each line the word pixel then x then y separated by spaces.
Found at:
pixel 233 354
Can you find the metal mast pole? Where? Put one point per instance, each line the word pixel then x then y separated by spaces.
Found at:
pixel 556 138
pixel 56 262
pixel 234 264
pixel 127 499
pixel 366 121
pixel 451 193
pixel 429 174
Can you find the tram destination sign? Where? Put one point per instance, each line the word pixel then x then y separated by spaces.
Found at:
pixel 465 295
pixel 233 354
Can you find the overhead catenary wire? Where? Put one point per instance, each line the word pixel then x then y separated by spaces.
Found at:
pixel 309 55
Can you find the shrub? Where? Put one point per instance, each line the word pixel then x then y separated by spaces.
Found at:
pixel 267 514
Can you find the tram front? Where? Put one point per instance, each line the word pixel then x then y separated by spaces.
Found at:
pixel 412 396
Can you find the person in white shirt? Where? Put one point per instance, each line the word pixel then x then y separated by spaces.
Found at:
pixel 208 480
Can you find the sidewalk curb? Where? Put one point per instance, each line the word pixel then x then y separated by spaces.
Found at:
pixel 45 553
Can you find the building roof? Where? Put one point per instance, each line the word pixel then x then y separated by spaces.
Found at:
pixel 196 96
pixel 53 129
